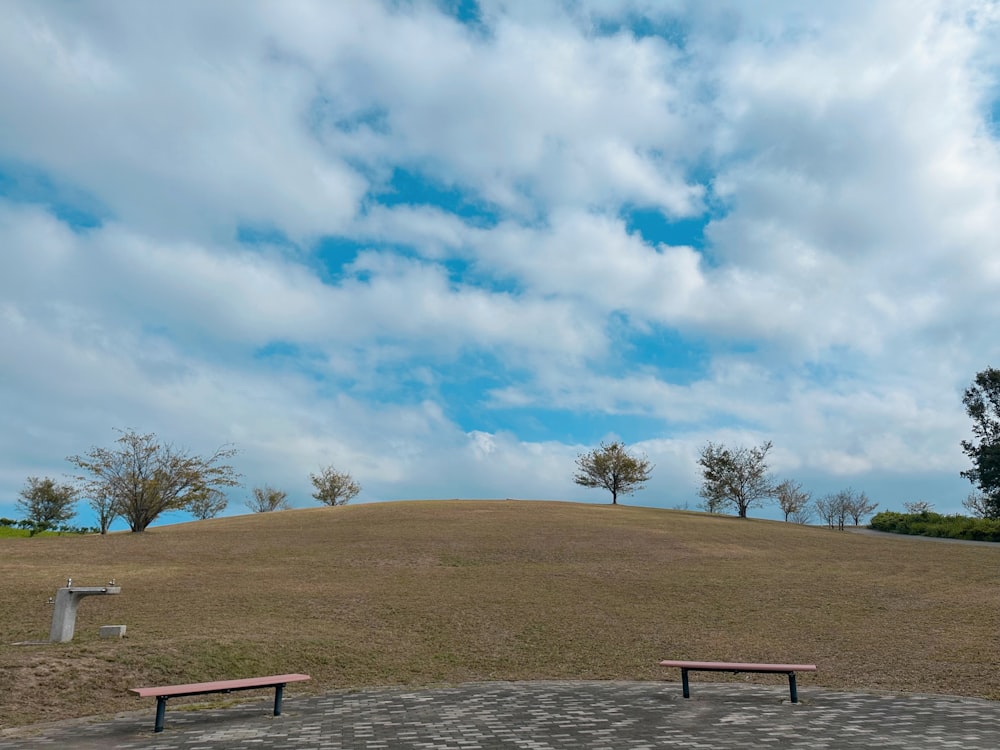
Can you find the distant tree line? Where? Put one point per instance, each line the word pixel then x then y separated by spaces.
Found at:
pixel 139 478
pixel 738 478
pixel 733 478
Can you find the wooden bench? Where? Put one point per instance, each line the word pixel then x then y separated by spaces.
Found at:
pixel 737 667
pixel 277 681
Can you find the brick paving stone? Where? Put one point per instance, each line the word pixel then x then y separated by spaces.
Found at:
pixel 548 716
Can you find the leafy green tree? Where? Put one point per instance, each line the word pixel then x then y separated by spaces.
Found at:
pixel 142 478
pixel 791 498
pixel 735 477
pixel 982 404
pixel 613 468
pixel 207 504
pixel 334 487
pixel 267 499
pixel 45 503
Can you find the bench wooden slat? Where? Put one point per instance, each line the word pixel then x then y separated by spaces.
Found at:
pixel 220 686
pixel 723 666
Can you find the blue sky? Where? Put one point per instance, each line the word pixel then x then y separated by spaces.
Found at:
pixel 448 246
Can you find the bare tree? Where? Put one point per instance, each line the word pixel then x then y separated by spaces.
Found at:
pixel 916 507
pixel 142 478
pixel 803 515
pixel 103 505
pixel 837 507
pixel 859 506
pixel 978 505
pixel 45 503
pixel 207 504
pixel 736 477
pixel 828 510
pixel 712 504
pixel 613 468
pixel 841 504
pixel 791 498
pixel 334 487
pixel 267 499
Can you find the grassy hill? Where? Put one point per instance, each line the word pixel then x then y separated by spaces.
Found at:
pixel 421 593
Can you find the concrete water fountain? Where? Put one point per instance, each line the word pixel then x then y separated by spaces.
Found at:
pixel 67 600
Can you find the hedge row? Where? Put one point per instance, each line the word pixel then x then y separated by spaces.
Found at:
pixel 934 524
pixel 37 528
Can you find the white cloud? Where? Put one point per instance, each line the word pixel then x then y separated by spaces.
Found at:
pixel 526 114
pixel 175 116
pixel 846 292
pixel 592 258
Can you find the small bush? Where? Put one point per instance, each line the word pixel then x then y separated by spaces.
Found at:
pixel 69 529
pixel 35 527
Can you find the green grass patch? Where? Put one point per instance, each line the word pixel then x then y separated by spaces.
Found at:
pixel 11 532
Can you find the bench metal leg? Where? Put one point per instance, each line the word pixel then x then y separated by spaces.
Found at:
pixel 792 686
pixel 278 690
pixel 161 709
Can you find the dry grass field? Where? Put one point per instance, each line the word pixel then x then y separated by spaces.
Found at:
pixel 432 592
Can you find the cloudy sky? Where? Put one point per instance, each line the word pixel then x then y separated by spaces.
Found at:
pixel 447 245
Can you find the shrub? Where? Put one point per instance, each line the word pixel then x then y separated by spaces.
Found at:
pixel 35 527
pixel 70 529
pixel 928 523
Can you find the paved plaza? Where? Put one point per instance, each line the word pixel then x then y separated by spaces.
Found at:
pixel 547 716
